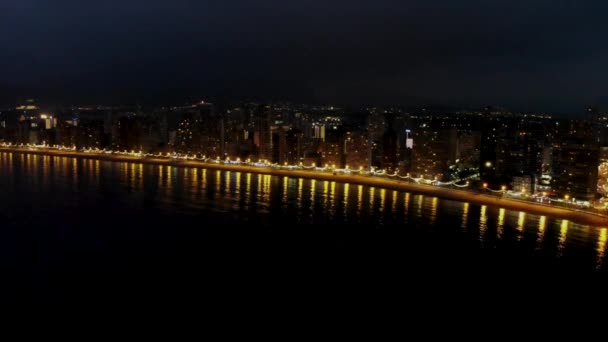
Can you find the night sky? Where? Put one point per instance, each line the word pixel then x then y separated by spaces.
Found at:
pixel 533 55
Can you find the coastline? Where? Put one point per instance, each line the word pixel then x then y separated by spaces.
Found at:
pixel 574 215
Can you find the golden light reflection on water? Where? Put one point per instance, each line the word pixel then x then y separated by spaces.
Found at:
pixel 372 198
pixel 218 181
pixel 87 166
pixel 160 176
pixel 267 187
pixel 65 168
pixel 259 188
pixel 285 189
pixel 183 177
pixel 28 167
pixel 248 194
pixel 238 182
pixel 195 180
pixel 500 227
pixel 465 215
pixel 132 178
pixel 359 199
pixel 300 188
pixel 433 215
pixel 394 202
pixel 563 232
pixel 419 205
pixel 75 170
pixel 196 184
pixel 542 223
pixel 332 199
pixel 313 188
pixel 169 184
pixel 326 191
pixel 520 224
pixel 601 246
pixel 136 175
pixel 204 179
pixel 42 167
pixel 345 199
pixel 483 221
pixel 140 176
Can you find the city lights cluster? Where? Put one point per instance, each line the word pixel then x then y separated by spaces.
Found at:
pixel 461 183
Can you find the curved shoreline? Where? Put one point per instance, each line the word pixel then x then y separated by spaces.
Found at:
pixel 450 194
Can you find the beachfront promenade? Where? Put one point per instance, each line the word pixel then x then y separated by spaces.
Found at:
pixel 354 177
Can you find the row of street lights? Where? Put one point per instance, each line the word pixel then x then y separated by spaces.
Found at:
pixel 503 190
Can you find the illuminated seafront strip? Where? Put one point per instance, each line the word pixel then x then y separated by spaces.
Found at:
pixel 357 177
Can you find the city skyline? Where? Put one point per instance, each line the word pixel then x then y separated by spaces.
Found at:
pixel 529 153
pixel 251 152
pixel 537 56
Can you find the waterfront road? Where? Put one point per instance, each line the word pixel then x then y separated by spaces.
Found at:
pixel 575 215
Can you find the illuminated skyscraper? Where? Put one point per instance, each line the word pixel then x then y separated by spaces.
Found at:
pixel 389 145
pixel 576 160
pixel 263 131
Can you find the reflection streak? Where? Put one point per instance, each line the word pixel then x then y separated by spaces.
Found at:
pixel 465 215
pixel 394 202
pixel 601 246
pixel 332 200
pixel 500 228
pixel 434 210
pixel 563 232
pixel 542 223
pixel 520 224
pixel 483 222
pixel 359 200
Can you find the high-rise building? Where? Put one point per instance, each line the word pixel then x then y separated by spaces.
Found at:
pixel 389 145
pixel 91 128
pixel 279 145
pixel 356 149
pixel 127 132
pixel 332 149
pixel 263 131
pixel 432 152
pixel 468 149
pixel 576 160
pixel 293 140
pixel 489 142
pixel 199 129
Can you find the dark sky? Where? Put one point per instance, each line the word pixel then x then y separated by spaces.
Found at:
pixel 533 55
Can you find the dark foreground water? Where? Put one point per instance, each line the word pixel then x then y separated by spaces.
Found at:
pixel 96 232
